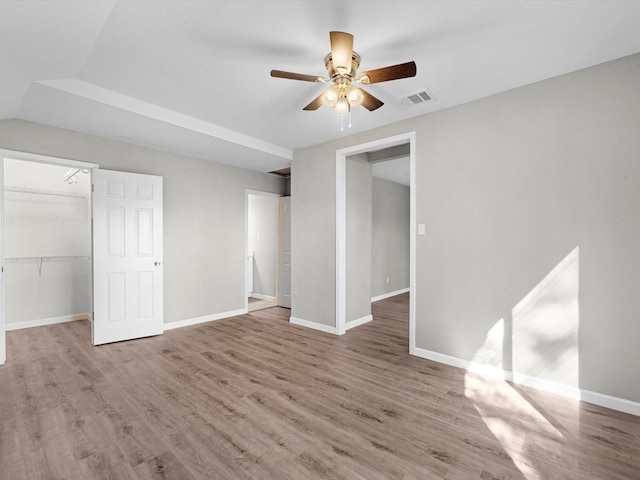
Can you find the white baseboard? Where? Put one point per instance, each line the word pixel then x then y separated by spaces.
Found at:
pixel 388 295
pixel 495 373
pixel 358 322
pixel 46 321
pixel 314 325
pixel 260 296
pixel 206 318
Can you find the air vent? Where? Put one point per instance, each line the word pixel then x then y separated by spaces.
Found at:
pixel 416 98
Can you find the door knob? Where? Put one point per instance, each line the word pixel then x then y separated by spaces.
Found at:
pixel 157 264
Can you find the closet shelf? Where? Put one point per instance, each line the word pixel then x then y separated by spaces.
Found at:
pixel 52 258
pixel 40 260
pixel 43 191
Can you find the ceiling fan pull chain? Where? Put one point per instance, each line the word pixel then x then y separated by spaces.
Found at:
pixel 349 118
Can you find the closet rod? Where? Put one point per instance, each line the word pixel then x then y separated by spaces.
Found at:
pixel 50 258
pixel 43 191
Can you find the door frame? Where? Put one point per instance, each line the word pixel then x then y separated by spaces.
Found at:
pixel 341 225
pixel 248 192
pixel 36 158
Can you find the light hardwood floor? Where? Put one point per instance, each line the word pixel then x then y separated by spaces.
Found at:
pixel 253 397
pixel 256 304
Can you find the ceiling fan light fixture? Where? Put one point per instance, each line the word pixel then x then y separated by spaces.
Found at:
pixel 331 96
pixel 342 105
pixel 354 96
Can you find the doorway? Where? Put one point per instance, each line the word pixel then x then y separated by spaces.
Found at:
pixel 46 241
pixel 390 226
pixel 342 227
pixel 47 244
pixel 262 250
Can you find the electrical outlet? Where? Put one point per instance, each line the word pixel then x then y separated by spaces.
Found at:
pixel 387 280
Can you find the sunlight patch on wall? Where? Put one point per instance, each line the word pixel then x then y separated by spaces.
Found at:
pixel 488 358
pixel 545 326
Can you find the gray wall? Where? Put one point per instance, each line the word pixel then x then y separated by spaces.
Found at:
pixel 263 241
pixel 358 239
pixel 204 212
pixel 390 237
pixel 530 199
pixel 313 235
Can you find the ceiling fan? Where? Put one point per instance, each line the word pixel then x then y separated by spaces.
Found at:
pixel 342 64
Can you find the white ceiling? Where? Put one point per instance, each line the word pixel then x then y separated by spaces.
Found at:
pixel 192 77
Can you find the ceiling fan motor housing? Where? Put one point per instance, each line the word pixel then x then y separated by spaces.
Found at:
pixel 334 73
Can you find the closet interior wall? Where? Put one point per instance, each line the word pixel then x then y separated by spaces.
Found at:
pixel 47 248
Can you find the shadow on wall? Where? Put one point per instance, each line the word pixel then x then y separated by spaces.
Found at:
pixel 539 341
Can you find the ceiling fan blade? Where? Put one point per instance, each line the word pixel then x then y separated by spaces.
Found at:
pixel 341 51
pixel 370 102
pixel 316 103
pixel 394 72
pixel 296 76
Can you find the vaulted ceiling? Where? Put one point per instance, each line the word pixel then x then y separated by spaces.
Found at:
pixel 192 77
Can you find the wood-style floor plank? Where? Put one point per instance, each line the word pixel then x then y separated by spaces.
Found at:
pixel 254 397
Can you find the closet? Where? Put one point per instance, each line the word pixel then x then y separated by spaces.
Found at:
pixel 47 244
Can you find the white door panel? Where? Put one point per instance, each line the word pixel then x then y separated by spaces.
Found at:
pixel 284 290
pixel 127 256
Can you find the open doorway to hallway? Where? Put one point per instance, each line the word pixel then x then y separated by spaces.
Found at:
pixel 377 230
pixel 354 170
pixel 390 210
pixel 262 250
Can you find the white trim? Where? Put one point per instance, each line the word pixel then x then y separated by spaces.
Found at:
pixel 129 104
pixel 34 157
pixel 542 384
pixel 313 325
pixel 3 343
pixel 341 241
pixel 412 240
pixel 260 296
pixel 204 319
pixel 389 295
pixel 341 225
pixel 47 321
pixel 614 403
pixel 262 193
pixel 495 373
pixel 441 358
pixel 360 321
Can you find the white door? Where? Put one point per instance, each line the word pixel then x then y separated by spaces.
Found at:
pixel 3 348
pixel 284 288
pixel 127 256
